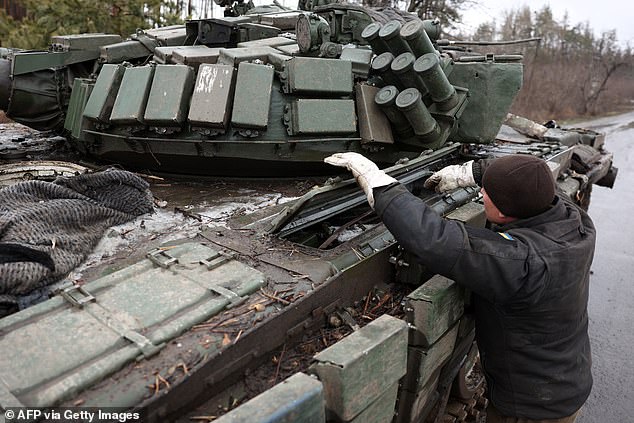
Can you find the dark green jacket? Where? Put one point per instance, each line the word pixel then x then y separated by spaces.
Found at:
pixel 530 291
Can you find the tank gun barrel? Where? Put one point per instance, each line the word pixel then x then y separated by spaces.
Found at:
pixel 444 43
pixel 281 6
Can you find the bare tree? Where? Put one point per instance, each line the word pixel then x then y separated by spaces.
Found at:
pixel 606 60
pixel 447 11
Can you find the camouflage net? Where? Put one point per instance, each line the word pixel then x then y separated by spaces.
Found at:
pixel 48 228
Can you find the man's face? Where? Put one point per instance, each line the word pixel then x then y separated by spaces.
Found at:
pixel 494 215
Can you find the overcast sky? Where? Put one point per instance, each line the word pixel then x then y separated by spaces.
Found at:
pixel 603 15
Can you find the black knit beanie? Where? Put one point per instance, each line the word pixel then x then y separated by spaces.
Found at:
pixel 519 185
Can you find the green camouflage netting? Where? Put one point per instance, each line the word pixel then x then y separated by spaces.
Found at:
pixel 48 228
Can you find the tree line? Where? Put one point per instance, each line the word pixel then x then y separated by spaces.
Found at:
pixel 46 18
pixel 569 72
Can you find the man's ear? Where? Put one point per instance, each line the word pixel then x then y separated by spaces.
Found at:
pixel 504 218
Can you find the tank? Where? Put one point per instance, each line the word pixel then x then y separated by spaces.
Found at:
pixel 305 311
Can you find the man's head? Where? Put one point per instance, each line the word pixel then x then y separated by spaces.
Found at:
pixel 518 186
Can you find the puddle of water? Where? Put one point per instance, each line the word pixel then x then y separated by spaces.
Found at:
pixel 627 126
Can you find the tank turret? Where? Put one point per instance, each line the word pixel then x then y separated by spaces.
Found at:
pixel 141 102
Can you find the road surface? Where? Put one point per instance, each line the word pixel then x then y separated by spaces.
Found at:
pixel 611 306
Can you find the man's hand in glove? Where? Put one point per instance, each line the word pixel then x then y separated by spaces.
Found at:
pixel 451 177
pixel 367 174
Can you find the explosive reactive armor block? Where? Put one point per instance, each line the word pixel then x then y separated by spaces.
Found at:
pixel 252 99
pixel 101 101
pixel 233 56
pixel 163 54
pixel 290 49
pixel 169 96
pixel 360 368
pixel 270 42
pixel 381 410
pixel 432 309
pixel 374 125
pixel 308 75
pixel 84 41
pixel 298 398
pixel 360 59
pixel 422 363
pixel 412 406
pixel 278 60
pixel 211 101
pixel 195 55
pixel 320 116
pixel 74 122
pixel 283 20
pixel 129 106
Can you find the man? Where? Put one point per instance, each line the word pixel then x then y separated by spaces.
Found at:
pixel 528 273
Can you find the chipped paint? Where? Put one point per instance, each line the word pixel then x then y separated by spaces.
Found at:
pixel 207 78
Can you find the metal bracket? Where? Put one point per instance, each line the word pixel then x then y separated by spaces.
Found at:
pixel 366 249
pixel 449 199
pixel 70 290
pixel 347 318
pixel 249 133
pixel 145 345
pixel 398 261
pixel 216 260
pixel 161 258
pixel 234 299
pixel 147 348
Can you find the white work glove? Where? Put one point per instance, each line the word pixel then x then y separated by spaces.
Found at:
pixel 367 174
pixel 451 177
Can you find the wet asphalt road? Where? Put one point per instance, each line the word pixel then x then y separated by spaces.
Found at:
pixel 611 306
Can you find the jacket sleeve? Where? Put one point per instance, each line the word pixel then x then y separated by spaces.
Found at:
pixel 478 168
pixel 480 259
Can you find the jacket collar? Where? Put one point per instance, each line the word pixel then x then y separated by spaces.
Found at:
pixel 565 215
